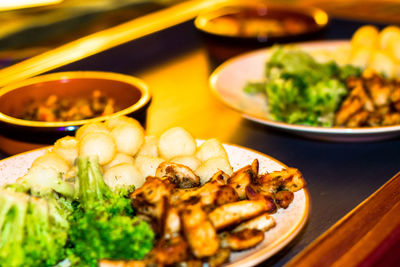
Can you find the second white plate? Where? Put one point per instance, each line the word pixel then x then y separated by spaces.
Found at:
pixel 228 80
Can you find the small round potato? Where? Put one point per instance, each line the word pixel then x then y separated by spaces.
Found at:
pixel 387 35
pixel 208 168
pixel 148 164
pixel 381 62
pixel 52 160
pixel 67 148
pixel 360 56
pixel 211 148
pixel 124 174
pixel 90 128
pixel 190 161
pixel 128 137
pixel 342 55
pixel 114 122
pixel 393 48
pixel 365 36
pixel 149 147
pixel 176 142
pixel 98 144
pixel 118 159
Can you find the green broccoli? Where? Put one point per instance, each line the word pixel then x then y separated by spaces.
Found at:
pixel 43 180
pixel 33 231
pixel 102 224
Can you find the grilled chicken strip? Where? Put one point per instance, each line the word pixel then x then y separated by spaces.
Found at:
pixel 236 212
pixel 391 119
pixel 354 103
pixel 253 193
pixel 221 257
pixel 172 225
pixel 395 97
pixel 117 263
pixel 214 193
pixel 243 177
pixel 241 240
pixel 178 174
pixel 358 119
pixel 263 222
pixel 284 198
pixel 288 179
pixel 199 232
pixel 152 200
pixel 170 251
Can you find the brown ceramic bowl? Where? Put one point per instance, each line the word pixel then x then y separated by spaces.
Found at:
pixel 237 27
pixel 16 135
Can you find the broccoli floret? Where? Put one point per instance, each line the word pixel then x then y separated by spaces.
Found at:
pixel 32 230
pixel 13 208
pixel 43 180
pixel 102 224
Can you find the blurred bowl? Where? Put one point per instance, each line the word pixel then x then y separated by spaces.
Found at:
pixel 17 135
pixel 232 29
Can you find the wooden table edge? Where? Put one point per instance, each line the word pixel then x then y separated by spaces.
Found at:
pixel 366 236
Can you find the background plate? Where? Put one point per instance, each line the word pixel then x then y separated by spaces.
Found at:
pixel 228 80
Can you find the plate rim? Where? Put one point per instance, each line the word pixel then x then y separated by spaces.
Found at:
pixel 342 132
pixel 264 254
pixel 252 258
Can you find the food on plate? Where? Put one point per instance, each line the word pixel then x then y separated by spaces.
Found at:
pixel 33 230
pixel 301 90
pixel 369 48
pixel 376 49
pixel 205 221
pixel 89 201
pixel 250 25
pixel 55 109
pixel 372 101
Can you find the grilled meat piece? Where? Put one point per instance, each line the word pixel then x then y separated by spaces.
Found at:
pixel 221 257
pixel 253 193
pixel 178 174
pixel 263 222
pixel 288 179
pixel 358 119
pixel 284 198
pixel 225 194
pixel 391 119
pixel 172 225
pixel 170 251
pixel 241 240
pixel 120 263
pixel 152 200
pixel 212 194
pixel 189 263
pixel 355 102
pixel 236 212
pixel 243 177
pixel 199 232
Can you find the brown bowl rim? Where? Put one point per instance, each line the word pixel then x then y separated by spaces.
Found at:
pixel 320 17
pixel 136 82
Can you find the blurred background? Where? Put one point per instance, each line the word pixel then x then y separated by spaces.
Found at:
pixel 30 27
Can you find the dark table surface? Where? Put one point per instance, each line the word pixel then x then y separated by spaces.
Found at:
pixel 175 64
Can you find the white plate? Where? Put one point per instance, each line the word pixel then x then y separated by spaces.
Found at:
pixel 229 79
pixel 289 221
